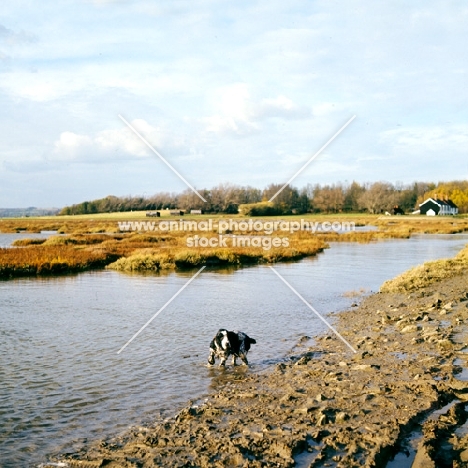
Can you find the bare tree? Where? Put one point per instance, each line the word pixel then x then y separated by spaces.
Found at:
pixel 188 200
pixel 329 198
pixel 378 197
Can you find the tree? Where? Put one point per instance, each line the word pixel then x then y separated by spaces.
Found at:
pixel 329 199
pixel 378 197
pixel 460 198
pixel 351 196
pixel 224 198
pixel 189 200
pixel 286 201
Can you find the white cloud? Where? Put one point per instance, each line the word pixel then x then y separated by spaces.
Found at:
pixel 12 38
pixel 117 143
pixel 70 145
pixel 325 108
pixel 282 107
pixel 12 41
pixel 443 140
pixel 237 112
pixel 234 111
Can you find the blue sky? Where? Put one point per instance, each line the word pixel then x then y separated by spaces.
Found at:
pixel 242 92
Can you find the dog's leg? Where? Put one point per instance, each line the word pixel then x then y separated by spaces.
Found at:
pixel 244 359
pixel 233 359
pixel 224 356
pixel 211 357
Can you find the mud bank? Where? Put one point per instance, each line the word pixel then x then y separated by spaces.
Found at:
pixel 328 406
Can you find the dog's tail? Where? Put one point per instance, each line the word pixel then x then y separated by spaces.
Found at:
pixel 253 341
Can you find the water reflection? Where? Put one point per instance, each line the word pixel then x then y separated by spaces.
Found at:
pixel 187 272
pixel 220 376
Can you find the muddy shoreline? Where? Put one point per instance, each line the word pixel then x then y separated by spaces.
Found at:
pixel 328 406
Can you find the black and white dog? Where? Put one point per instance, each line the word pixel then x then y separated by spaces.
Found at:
pixel 227 343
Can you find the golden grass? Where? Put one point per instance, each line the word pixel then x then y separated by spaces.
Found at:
pixel 139 252
pixel 79 239
pixel 41 260
pixel 138 237
pixel 152 259
pixel 427 273
pixel 108 222
pixel 46 224
pixel 28 241
pixel 99 237
pixel 143 262
pixel 424 224
pixel 365 237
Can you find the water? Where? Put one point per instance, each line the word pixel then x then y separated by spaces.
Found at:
pixel 63 384
pixel 406 457
pixel 6 240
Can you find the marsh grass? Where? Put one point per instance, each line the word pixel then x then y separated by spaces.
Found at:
pixel 28 241
pixel 137 237
pixel 424 224
pixel 78 226
pixel 365 237
pixel 92 242
pixel 79 239
pixel 108 222
pixel 428 273
pixel 177 258
pixel 43 260
pixel 143 262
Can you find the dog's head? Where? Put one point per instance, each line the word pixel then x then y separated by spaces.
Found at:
pixel 223 336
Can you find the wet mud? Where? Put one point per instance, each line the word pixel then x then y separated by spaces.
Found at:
pixel 326 406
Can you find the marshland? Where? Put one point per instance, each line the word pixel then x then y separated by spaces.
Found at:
pixel 95 241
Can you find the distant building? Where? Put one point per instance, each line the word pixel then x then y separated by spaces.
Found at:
pixel 153 213
pixel 397 210
pixel 177 213
pixel 435 206
pixel 196 212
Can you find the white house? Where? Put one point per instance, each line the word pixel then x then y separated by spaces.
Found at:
pixel 436 206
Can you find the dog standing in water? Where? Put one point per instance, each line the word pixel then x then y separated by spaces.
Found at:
pixel 227 343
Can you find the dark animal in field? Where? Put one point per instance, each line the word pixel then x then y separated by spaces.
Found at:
pixel 227 343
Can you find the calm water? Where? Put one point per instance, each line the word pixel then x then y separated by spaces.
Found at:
pixel 7 239
pixel 63 384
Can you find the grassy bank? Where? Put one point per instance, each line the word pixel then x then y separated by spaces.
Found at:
pixel 153 259
pixel 428 273
pixel 45 260
pixel 139 252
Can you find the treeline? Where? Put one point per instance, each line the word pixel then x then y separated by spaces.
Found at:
pixel 377 197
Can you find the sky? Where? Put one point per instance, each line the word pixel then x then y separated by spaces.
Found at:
pixel 241 92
